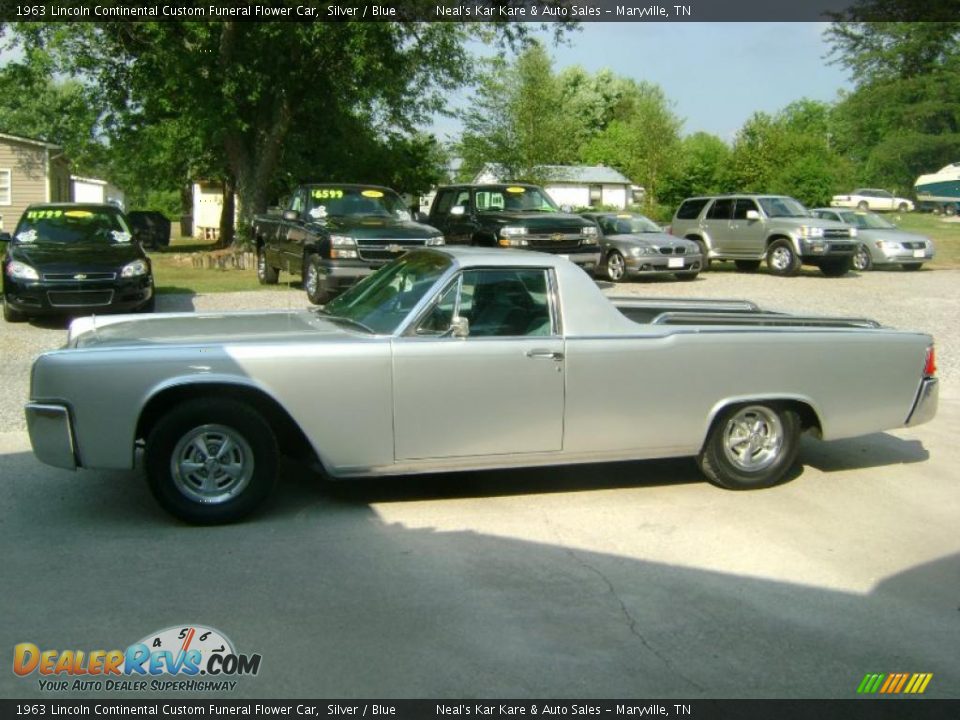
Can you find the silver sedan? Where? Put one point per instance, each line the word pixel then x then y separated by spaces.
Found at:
pixel 881 242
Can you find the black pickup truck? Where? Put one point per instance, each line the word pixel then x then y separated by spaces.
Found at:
pixel 334 234
pixel 513 216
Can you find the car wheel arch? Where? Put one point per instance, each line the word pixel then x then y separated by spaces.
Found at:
pixel 290 437
pixel 805 407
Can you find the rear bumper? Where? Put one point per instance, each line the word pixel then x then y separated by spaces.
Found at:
pixel 925 406
pixel 51 435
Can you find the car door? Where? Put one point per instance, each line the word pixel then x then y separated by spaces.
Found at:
pixel 294 234
pixel 717 223
pixel 498 391
pixel 746 235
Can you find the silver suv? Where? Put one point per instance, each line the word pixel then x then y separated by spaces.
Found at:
pixel 749 229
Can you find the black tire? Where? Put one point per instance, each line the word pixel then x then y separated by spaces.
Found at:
pixel 949 210
pixel 747 265
pixel 615 267
pixel 937 210
pixel 912 266
pixel 687 276
pixel 757 467
pixel 171 443
pixel 902 207
pixel 705 259
pixel 11 315
pixel 782 259
pixel 862 260
pixel 313 282
pixel 863 205
pixel 266 273
pixel 835 268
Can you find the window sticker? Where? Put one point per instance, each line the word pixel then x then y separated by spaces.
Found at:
pixel 372 194
pixel 27 236
pixel 78 214
pixel 318 213
pixel 326 194
pixel 43 214
pixel 516 189
pixel 119 236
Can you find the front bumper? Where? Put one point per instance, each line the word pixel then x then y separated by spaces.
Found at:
pixel 832 249
pixel 583 259
pixel 51 434
pixel 42 297
pixel 663 264
pixel 339 275
pixel 904 256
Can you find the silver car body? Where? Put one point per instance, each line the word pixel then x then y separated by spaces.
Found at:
pixel 886 243
pixel 378 404
pixel 648 251
pixel 872 199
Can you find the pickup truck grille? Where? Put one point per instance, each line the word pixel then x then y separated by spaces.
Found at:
pixel 554 242
pixel 384 250
pixel 673 251
pixel 836 233
pixel 80 298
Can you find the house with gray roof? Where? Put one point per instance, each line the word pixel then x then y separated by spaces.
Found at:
pixel 31 171
pixel 578 186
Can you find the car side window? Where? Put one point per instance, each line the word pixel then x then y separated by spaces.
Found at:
pixel 721 209
pixel 444 202
pixel 513 302
pixel 741 208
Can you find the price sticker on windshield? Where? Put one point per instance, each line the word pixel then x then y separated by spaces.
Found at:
pixel 372 194
pixel 43 214
pixel 326 194
pixel 516 189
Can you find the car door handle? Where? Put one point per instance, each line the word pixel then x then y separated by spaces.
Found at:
pixel 548 354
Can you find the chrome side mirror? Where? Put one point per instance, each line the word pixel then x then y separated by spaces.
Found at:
pixel 291 215
pixel 459 327
pixel 458 210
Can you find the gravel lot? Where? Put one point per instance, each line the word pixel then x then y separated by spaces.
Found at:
pixel 927 300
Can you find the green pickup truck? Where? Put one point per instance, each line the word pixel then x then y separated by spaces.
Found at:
pixel 334 234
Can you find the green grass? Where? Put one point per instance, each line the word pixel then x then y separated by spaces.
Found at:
pixel 946 235
pixel 173 272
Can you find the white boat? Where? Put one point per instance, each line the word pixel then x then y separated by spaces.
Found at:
pixel 940 191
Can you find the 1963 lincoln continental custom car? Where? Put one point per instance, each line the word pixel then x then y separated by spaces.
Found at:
pixel 464 358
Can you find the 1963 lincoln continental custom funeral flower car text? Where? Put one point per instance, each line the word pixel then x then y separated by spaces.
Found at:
pixel 464 358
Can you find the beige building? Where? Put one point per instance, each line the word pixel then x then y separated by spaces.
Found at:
pixel 31 171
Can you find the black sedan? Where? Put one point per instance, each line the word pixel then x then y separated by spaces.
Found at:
pixel 71 259
pixel 633 245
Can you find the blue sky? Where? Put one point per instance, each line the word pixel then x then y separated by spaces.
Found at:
pixel 716 74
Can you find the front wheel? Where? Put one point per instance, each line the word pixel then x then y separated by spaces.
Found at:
pixel 782 259
pixel 266 273
pixel 862 260
pixel 751 446
pixel 863 205
pixel 313 283
pixel 615 266
pixel 211 461
pixel 705 258
pixel 11 315
pixel 902 207
pixel 912 266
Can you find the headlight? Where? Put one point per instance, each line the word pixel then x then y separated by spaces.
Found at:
pixel 21 271
pixel 135 269
pixel 589 231
pixel 342 241
pixel 643 250
pixel 887 245
pixel 435 240
pixel 810 232
pixel 512 231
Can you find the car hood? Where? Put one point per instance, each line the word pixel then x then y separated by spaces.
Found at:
pixel 793 222
pixel 537 220
pixel 375 227
pixel 892 235
pixel 74 257
pixel 206 329
pixel 650 239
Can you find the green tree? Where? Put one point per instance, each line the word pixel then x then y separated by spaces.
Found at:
pixel 701 169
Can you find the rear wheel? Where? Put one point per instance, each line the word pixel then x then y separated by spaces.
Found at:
pixel 950 210
pixel 615 267
pixel 835 268
pixel 211 460
pixel 863 205
pixel 862 260
pixel 751 446
pixel 747 265
pixel 705 262
pixel 266 273
pixel 313 283
pixel 782 260
pixel 902 207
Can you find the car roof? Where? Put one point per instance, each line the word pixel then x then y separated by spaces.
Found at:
pixel 467 254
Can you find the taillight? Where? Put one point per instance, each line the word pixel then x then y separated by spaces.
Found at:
pixel 930 364
pixel 669 229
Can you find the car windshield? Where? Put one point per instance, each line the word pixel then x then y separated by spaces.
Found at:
pixel 68 226
pixel 355 202
pixel 514 198
pixel 628 224
pixel 783 207
pixel 381 301
pixel 867 221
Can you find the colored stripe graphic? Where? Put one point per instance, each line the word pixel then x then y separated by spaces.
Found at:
pixel 894 683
